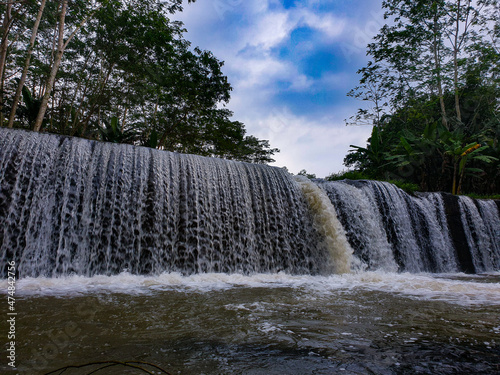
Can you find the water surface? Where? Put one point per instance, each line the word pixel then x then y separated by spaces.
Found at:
pixel 365 323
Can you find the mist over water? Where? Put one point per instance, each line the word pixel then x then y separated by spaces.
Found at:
pixel 207 266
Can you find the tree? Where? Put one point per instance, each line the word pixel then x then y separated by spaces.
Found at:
pixel 435 62
pixel 415 147
pixel 58 55
pixel 29 52
pixel 412 54
pixel 121 71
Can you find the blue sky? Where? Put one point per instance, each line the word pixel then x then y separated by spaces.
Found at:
pixel 291 64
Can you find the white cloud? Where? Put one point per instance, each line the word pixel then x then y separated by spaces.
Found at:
pixel 247 47
pixel 246 34
pixel 331 26
pixel 269 30
pixel 261 72
pixel 319 146
pixel 300 82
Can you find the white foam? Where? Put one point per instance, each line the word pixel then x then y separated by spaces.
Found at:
pixel 453 288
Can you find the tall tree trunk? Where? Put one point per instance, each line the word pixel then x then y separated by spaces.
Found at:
pixel 456 47
pixel 6 24
pixel 82 99
pixel 437 67
pixel 7 19
pixel 55 67
pixel 459 188
pixel 454 187
pixel 19 90
pixel 124 118
pixel 455 83
pixel 61 47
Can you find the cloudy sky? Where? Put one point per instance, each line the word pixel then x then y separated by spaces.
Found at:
pixel 291 64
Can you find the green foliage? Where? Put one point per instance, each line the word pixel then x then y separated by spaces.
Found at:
pixel 408 187
pixel 112 132
pixel 434 87
pixel 304 173
pixel 128 76
pixel 27 113
pixel 152 140
pixel 347 175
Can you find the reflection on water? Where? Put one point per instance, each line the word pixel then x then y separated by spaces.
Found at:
pixel 369 323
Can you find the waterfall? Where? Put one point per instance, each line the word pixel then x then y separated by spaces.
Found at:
pixel 481 225
pixel 363 223
pixel 75 206
pixel 327 223
pixel 392 230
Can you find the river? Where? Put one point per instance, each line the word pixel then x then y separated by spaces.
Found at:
pixel 359 323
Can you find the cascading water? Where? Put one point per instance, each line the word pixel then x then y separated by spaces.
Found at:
pixel 328 225
pixel 73 206
pixel 390 229
pixel 206 266
pixel 481 225
pixel 363 223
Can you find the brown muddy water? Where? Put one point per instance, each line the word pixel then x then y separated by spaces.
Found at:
pixel 365 323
